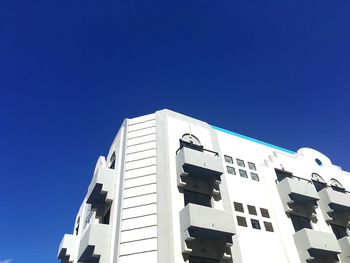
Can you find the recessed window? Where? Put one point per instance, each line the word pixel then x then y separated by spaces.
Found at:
pixel 201 260
pixel 240 162
pixel 255 176
pixel 241 221
pixel 252 210
pixel 238 207
pixel 243 173
pixel 318 161
pixel 339 231
pixel 336 185
pixel 264 212
pixel 251 166
pixel 281 174
pixel 197 198
pixel 231 170
pixel 300 222
pixel 105 219
pixel 112 161
pixel 78 225
pixel 228 159
pixel 268 226
pixel 255 223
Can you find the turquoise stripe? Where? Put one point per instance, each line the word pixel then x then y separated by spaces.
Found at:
pixel 253 140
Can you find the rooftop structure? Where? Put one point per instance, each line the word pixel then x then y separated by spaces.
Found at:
pixel 175 189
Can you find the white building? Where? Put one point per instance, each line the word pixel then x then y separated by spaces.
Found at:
pixel 174 189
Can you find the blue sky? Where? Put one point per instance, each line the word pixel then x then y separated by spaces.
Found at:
pixel 70 71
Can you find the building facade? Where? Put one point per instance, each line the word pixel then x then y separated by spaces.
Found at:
pixel 175 189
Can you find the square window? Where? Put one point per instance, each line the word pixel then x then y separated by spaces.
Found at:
pixel 231 170
pixel 268 226
pixel 251 166
pixel 228 159
pixel 241 221
pixel 252 210
pixel 240 163
pixel 243 173
pixel 264 212
pixel 254 176
pixel 238 207
pixel 255 223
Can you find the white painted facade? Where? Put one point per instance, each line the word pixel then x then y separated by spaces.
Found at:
pixel 134 209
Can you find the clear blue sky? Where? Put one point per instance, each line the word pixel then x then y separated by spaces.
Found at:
pixel 70 71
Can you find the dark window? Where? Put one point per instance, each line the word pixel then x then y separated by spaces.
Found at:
pixel 201 260
pixel 243 173
pixel 264 212
pixel 338 189
pixel 339 231
pixel 196 198
pixel 281 174
pixel 112 161
pixel 318 161
pixel 255 223
pixel 254 176
pixel 300 222
pixel 251 166
pixel 231 170
pixel 238 207
pixel 240 163
pixel 228 159
pixel 268 226
pixel 319 185
pixel 252 210
pixel 241 221
pixel 105 219
pixel 78 225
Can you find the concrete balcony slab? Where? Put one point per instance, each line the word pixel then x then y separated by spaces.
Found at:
pixel 101 188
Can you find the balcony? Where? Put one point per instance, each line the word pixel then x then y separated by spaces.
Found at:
pixel 337 201
pixel 206 229
pixel 297 191
pixel 300 191
pixel 68 249
pixel 344 244
pixel 199 170
pixel 312 244
pixel 101 187
pixel 199 163
pixel 94 244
